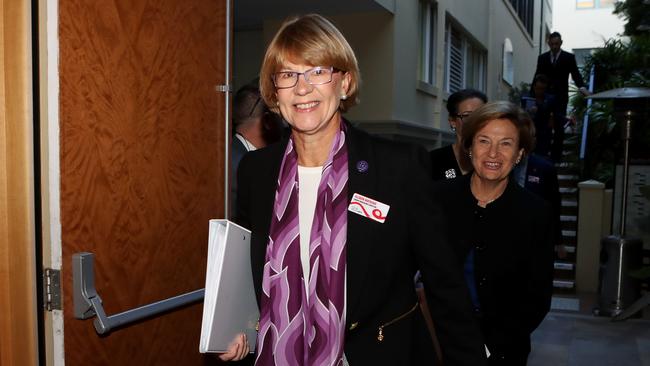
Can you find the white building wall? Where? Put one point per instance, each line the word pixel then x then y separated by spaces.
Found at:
pixel 371 38
pixel 504 23
pixel 584 28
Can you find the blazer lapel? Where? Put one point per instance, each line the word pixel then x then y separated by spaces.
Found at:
pixel 263 200
pixel 361 179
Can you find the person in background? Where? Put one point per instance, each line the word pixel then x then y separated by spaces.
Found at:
pixel 540 106
pixel 253 126
pixel 538 175
pixel 336 237
pixel 502 233
pixel 557 65
pixel 451 161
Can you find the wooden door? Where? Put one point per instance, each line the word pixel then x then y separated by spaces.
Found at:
pixel 141 166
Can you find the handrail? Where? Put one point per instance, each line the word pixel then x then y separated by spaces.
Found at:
pixel 585 119
pixel 88 304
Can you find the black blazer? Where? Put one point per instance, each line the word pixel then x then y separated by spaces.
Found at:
pixel 558 73
pixel 541 179
pixel 512 241
pixel 381 258
pixel 444 164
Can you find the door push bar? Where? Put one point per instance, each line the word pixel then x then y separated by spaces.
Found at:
pixel 87 302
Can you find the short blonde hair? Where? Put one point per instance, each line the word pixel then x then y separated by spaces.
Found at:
pixel 313 40
pixel 500 110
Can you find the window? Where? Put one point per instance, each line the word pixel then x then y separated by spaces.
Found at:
pixel 581 54
pixel 594 4
pixel 508 69
pixel 465 61
pixel 428 16
pixel 525 10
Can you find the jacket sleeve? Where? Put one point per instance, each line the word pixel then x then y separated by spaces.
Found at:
pixel 575 73
pixel 447 295
pixel 243 197
pixel 538 70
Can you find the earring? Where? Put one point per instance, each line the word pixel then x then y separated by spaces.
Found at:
pixel 344 97
pixel 453 129
pixel 470 154
pixel 277 103
pixel 518 160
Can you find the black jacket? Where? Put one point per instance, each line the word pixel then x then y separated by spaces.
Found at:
pixel 381 258
pixel 512 241
pixel 444 164
pixel 558 73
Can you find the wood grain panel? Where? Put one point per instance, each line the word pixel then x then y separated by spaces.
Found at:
pixel 142 141
pixel 18 325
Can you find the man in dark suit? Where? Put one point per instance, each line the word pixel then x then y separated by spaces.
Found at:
pixel 557 64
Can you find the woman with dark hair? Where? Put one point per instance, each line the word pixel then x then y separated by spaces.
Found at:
pixel 340 222
pixel 503 234
pixel 451 161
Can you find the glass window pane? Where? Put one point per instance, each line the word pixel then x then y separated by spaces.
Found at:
pixel 585 4
pixel 606 3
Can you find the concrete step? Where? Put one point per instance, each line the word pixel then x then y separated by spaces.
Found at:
pixel 569 233
pixel 569 210
pixel 569 177
pixel 569 256
pixel 568 190
pixel 568 240
pixel 568 218
pixel 564 266
pixel 565 284
pixel 569 225
pixel 565 303
pixel 569 202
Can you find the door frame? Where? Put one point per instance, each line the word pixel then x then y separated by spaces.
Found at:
pixel 18 299
pixel 48 50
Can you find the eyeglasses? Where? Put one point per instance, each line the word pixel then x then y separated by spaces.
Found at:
pixel 257 101
pixel 317 76
pixel 462 116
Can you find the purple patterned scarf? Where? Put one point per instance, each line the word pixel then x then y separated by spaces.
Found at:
pixel 298 328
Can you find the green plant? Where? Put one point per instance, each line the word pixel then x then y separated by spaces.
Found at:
pixel 619 63
pixel 515 94
pixel 636 13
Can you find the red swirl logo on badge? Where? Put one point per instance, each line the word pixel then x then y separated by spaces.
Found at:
pixel 367 207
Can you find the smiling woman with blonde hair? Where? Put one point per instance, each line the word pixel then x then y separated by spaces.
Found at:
pixel 340 223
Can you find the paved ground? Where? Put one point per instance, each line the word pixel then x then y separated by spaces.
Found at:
pixel 578 339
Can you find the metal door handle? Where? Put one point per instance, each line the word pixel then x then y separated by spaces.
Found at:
pixel 88 304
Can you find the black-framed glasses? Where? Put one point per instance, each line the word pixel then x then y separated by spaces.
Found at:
pixel 462 116
pixel 315 76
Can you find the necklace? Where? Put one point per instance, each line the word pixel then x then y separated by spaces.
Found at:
pixel 484 202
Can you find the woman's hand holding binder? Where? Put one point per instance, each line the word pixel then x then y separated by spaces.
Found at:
pixel 237 350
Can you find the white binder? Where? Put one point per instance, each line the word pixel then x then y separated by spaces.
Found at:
pixel 229 306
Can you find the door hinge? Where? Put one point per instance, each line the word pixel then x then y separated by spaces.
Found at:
pixel 224 88
pixel 51 289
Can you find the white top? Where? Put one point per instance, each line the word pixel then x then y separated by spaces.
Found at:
pixel 308 181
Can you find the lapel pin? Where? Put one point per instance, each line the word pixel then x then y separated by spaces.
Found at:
pixel 362 166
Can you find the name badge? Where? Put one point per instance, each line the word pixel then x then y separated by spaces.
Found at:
pixel 364 206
